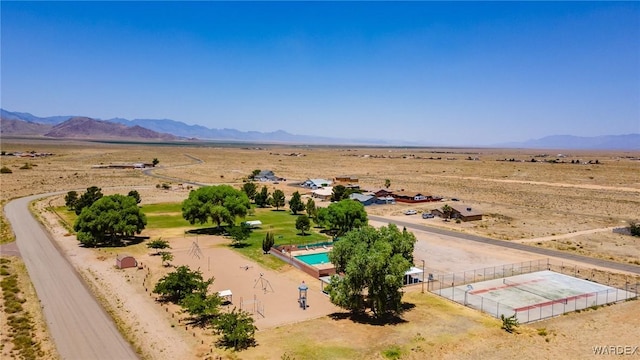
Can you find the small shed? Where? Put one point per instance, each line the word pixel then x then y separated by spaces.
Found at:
pixel 124 261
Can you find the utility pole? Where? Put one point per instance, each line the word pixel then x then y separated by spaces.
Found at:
pixel 423 276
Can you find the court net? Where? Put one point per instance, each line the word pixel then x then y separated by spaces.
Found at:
pixel 521 286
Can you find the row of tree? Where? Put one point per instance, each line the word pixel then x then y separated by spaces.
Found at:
pixel 264 198
pixel 372 262
pixel 189 289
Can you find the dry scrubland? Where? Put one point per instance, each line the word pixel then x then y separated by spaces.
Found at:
pixel 521 200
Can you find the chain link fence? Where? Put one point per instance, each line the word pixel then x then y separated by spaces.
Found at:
pixel 452 286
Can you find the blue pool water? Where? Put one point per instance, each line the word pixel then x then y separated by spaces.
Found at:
pixel 314 259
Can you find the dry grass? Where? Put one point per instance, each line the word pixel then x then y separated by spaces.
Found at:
pixel 521 200
pixel 38 343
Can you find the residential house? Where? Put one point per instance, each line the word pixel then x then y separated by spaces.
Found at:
pixel 382 193
pixel 267 175
pixel 346 179
pixel 385 200
pixel 322 193
pixel 314 184
pixel 465 213
pixel 364 199
pixel 459 211
pixel 413 197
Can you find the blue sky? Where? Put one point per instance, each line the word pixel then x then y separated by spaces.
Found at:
pixel 453 73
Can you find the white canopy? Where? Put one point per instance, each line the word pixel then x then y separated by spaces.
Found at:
pixel 413 271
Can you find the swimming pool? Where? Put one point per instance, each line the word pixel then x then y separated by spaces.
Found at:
pixel 314 259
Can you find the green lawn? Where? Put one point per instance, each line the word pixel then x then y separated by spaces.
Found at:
pixel 166 216
pixel 68 216
pixel 280 223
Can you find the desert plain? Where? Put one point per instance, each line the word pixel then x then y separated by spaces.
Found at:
pixel 565 200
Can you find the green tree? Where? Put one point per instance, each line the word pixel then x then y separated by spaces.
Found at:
pixel 342 216
pixel 387 183
pixel 310 208
pixel 251 189
pixel 155 162
pixel 166 257
pixel 373 262
pixel 203 308
pixel 262 198
pixel 71 199
pixel 218 204
pixel 92 195
pixel 268 242
pixel 237 329
pixel 295 203
pixel 158 245
pixel 239 233
pixel 447 211
pixel 109 220
pixel 338 193
pixel 136 195
pixel 277 199
pixel 176 285
pixel 255 173
pixel 303 224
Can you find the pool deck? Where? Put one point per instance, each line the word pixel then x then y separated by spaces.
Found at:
pixel 315 251
pixel 310 251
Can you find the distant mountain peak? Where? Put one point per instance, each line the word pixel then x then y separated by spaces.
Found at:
pixel 85 127
pixel 572 142
pixel 167 129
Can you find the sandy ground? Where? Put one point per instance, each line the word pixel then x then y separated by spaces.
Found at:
pixel 150 327
pixel 276 292
pixel 545 202
pixel 139 315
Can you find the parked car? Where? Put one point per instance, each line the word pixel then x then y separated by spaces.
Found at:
pixel 427 216
pixel 410 212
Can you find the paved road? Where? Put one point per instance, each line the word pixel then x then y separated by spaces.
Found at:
pixel 80 327
pixel 517 246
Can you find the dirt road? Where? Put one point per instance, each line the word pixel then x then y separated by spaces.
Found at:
pixel 516 246
pixel 80 327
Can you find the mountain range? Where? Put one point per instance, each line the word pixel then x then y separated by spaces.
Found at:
pixel 80 127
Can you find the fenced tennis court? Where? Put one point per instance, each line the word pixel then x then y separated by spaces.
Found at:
pixel 531 296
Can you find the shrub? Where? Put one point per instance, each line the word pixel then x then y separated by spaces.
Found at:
pixel 634 228
pixel 509 324
pixel 5 170
pixel 393 352
pixel 26 166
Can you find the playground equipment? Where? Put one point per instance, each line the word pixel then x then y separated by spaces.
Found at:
pixel 254 306
pixel 195 251
pixel 265 285
pixel 302 295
